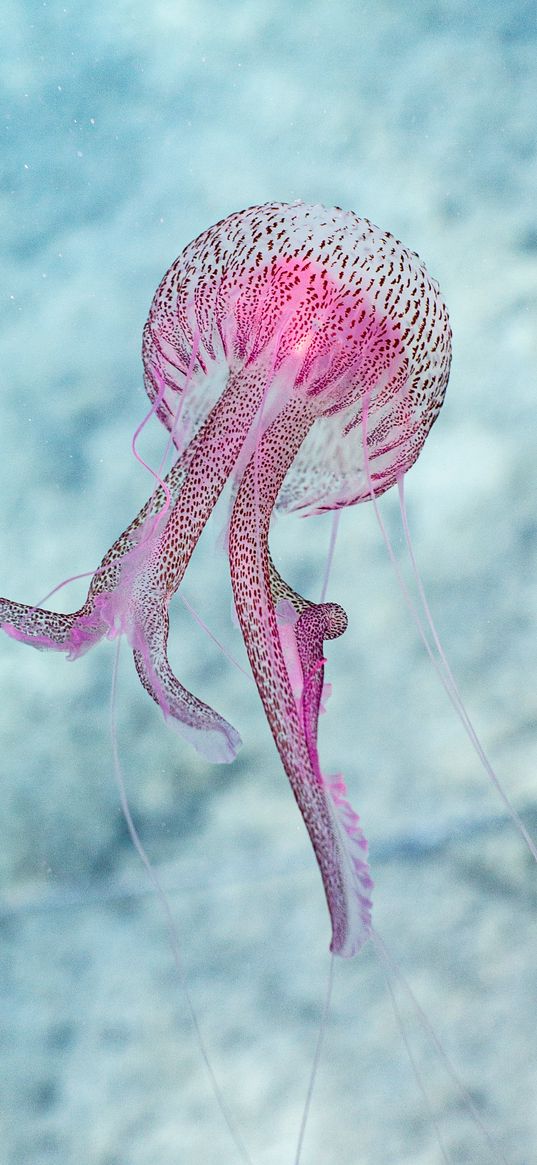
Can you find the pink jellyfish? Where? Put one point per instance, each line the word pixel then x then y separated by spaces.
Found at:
pixel 304 354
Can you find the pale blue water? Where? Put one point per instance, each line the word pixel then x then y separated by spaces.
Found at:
pixel 125 133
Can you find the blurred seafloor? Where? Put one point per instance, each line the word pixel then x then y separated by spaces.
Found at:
pixel 127 131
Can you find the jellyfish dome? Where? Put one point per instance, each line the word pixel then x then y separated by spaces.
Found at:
pixel 329 309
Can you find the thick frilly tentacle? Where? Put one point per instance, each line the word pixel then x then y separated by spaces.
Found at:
pixel 303 627
pixel 287 662
pixel 161 558
pixel 130 591
pixel 328 621
pixel 32 625
pixel 72 633
pixel 198 723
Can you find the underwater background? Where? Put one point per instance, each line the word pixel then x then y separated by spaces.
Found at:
pixel 126 130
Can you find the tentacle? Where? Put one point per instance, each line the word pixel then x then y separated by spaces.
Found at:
pixel 329 621
pixel 46 630
pixel 77 631
pixel 130 591
pixel 166 553
pixel 73 633
pixel 302 636
pixel 204 728
pixel 333 827
pixel 281 591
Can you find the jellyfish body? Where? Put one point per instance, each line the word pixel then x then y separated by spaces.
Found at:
pixel 302 354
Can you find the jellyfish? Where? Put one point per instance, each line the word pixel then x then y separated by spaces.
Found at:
pixel 301 355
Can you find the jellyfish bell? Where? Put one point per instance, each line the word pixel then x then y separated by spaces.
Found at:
pixel 336 313
pixel 302 354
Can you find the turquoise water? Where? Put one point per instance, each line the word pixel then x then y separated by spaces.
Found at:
pixel 126 133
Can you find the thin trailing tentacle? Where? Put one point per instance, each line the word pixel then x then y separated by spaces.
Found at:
pixel 339 845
